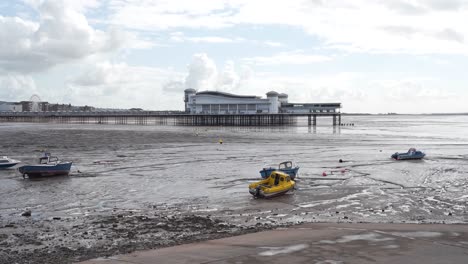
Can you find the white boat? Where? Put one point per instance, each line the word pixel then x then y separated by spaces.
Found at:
pixel 6 162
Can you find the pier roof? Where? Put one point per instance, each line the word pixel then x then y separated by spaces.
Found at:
pixel 216 93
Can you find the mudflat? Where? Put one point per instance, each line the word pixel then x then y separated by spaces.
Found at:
pixel 144 187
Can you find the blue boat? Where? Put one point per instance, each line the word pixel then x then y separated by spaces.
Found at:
pixel 48 166
pixel 412 154
pixel 6 162
pixel 286 167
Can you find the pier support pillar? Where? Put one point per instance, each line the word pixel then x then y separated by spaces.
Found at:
pixel 314 123
pixel 334 120
pixel 309 120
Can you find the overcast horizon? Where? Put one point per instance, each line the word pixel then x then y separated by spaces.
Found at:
pixel 372 56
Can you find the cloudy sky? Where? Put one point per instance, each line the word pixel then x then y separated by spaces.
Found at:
pixel 374 56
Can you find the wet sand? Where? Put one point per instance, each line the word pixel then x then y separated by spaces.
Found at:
pixel 319 244
pixel 141 187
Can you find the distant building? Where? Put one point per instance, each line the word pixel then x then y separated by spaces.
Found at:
pixel 214 102
pixel 26 106
pixel 59 107
pixel 86 108
pixel 10 107
pixel 32 106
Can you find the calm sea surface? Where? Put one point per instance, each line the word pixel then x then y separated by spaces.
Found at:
pixel 136 167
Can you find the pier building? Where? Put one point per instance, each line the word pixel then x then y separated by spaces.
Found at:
pixel 205 108
pixel 214 102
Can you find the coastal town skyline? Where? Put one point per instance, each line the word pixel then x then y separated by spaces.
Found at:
pixel 374 57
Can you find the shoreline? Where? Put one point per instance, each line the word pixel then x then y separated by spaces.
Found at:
pixel 69 240
pixel 319 243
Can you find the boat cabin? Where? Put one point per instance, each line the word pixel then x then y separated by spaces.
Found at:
pixel 285 165
pixel 46 159
pixel 277 178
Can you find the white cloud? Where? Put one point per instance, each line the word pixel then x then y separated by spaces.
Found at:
pixel 273 44
pixel 284 58
pixel 202 73
pixel 229 79
pixel 105 74
pixel 451 35
pixel 124 86
pixel 61 35
pixel 164 14
pixel 14 87
pixel 181 37
pixel 357 26
pixel 119 85
pixel 414 89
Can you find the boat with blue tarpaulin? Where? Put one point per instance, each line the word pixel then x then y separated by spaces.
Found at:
pixel 286 167
pixel 48 166
pixel 412 154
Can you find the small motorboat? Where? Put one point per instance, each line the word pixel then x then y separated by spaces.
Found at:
pixel 277 183
pixel 6 162
pixel 286 167
pixel 410 155
pixel 48 166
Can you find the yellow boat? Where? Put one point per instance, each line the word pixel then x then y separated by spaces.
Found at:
pixel 278 183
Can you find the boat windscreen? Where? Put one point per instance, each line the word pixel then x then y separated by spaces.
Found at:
pixel 285 165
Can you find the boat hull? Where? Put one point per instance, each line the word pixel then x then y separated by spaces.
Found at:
pixel 261 194
pixel 405 156
pixel 46 170
pixel 7 165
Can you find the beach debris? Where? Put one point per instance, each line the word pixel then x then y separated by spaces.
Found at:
pixel 26 213
pixel 342 170
pixel 105 162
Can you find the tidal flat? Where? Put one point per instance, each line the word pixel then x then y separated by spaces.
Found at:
pixel 140 187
